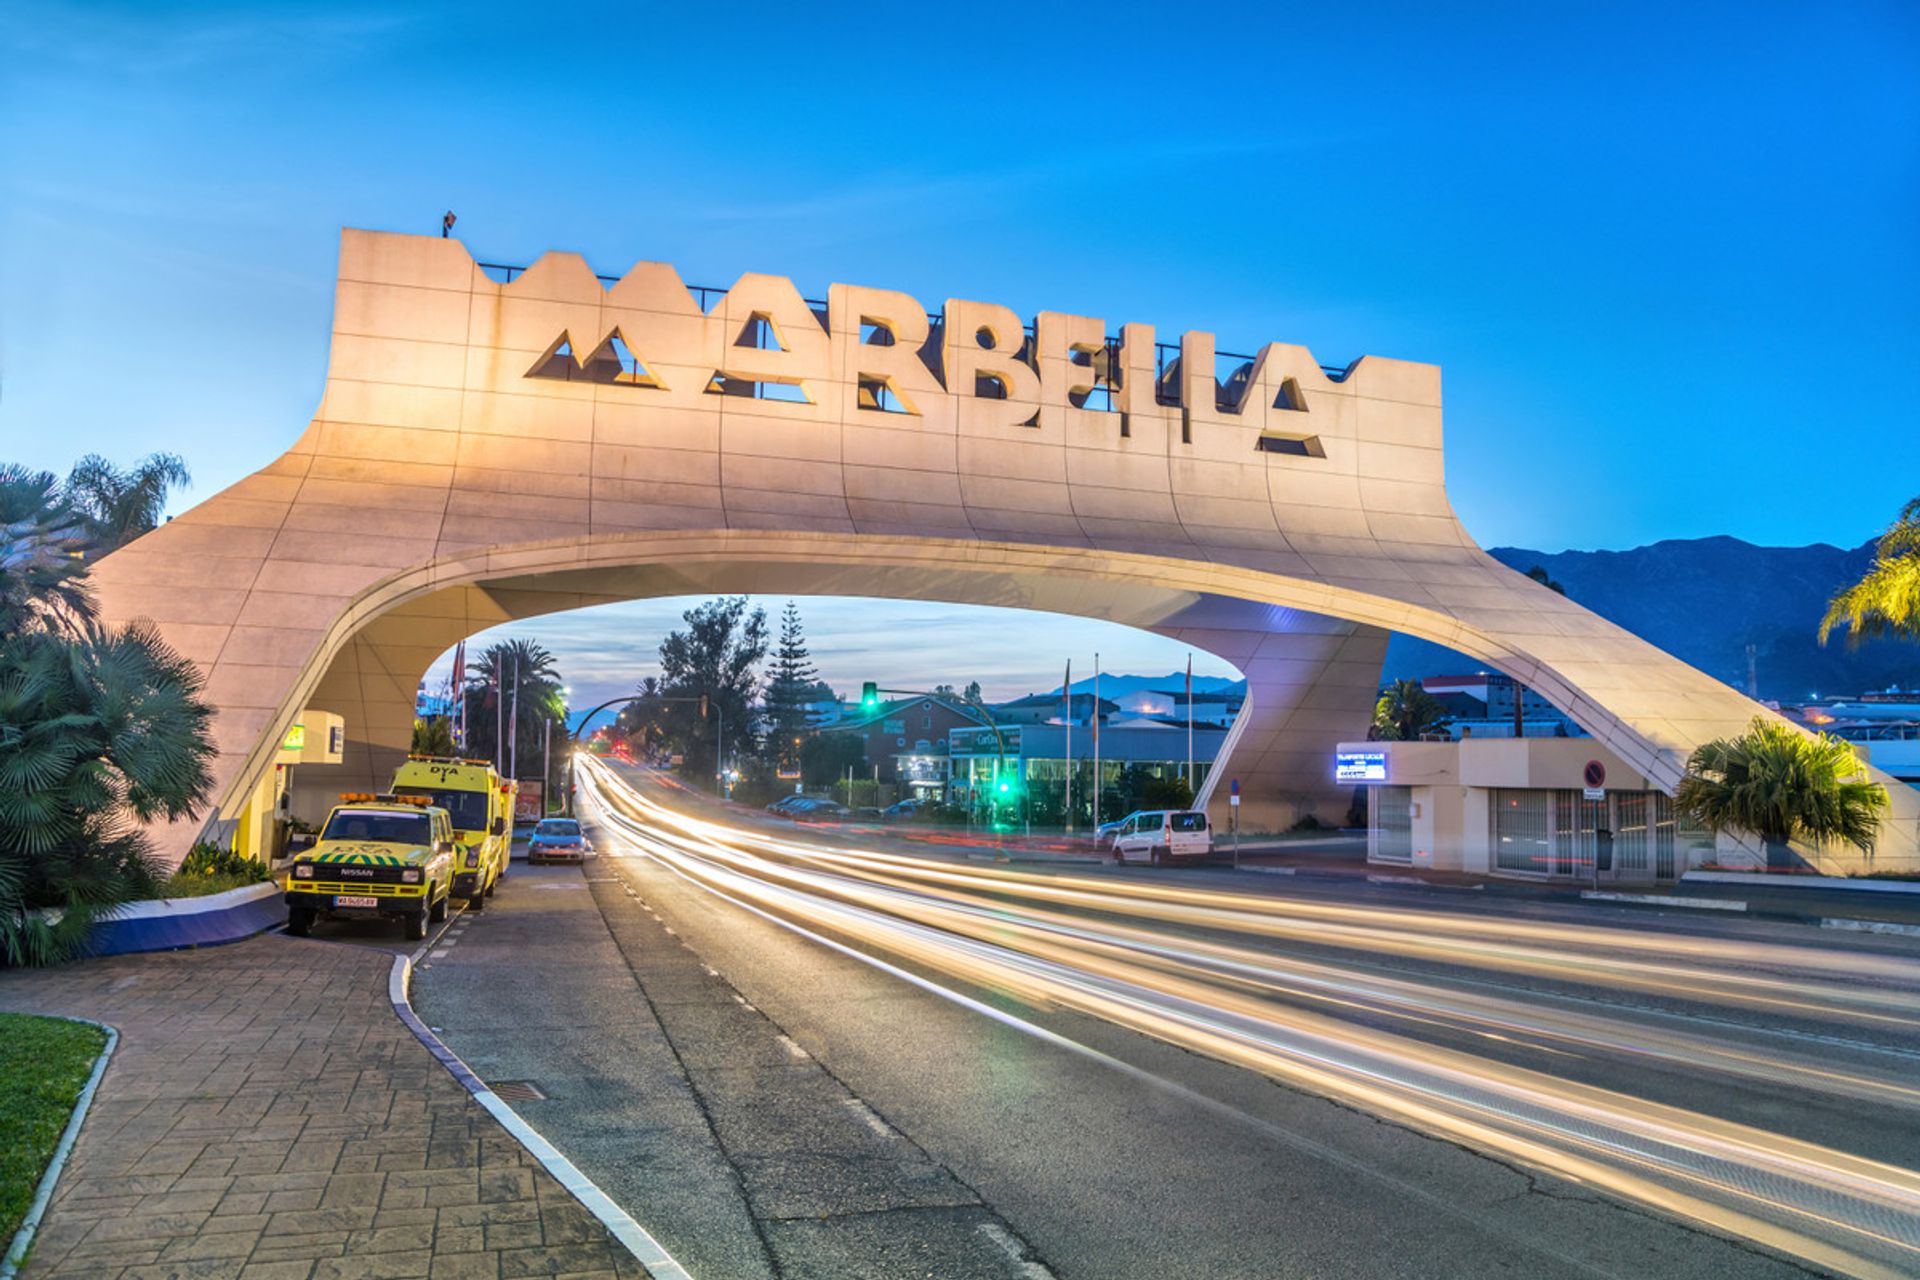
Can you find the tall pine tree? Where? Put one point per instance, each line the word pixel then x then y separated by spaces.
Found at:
pixel 790 686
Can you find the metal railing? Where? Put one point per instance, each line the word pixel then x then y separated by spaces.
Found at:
pixel 1166 354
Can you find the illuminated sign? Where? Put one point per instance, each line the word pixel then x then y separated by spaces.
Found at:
pixel 1359 766
pixel 296 739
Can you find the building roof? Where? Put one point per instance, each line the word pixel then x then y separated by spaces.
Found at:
pixel 900 706
pixel 1107 705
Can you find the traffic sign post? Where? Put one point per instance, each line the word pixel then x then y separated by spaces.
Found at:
pixel 1233 818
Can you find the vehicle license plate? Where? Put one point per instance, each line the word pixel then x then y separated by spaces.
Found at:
pixel 343 901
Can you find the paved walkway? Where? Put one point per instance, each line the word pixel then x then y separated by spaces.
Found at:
pixel 267 1117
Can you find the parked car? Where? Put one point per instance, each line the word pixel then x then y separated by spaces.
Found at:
pixel 902 810
pixel 1157 836
pixel 784 805
pixel 558 840
pixel 819 810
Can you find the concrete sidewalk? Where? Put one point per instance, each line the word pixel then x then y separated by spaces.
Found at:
pixel 267 1116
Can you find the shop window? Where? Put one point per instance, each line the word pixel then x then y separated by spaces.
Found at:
pixel 1630 834
pixel 1522 830
pixel 1390 832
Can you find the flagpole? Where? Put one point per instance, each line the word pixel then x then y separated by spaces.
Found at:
pixel 1190 790
pixel 1067 689
pixel 1094 718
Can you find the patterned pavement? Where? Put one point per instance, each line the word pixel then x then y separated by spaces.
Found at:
pixel 266 1117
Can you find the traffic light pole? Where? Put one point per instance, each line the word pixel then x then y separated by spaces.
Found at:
pixel 703 701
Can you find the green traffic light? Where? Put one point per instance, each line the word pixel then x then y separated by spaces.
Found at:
pixel 870 695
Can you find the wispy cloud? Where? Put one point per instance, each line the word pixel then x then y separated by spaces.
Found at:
pixel 604 651
pixel 163 40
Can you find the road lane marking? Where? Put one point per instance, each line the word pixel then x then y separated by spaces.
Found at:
pixel 869 1117
pixel 792 1046
pixel 1030 1268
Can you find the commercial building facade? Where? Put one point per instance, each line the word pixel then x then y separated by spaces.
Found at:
pixel 1561 809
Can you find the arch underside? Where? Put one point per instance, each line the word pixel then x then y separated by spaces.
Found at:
pixel 1312 679
pixel 1311 652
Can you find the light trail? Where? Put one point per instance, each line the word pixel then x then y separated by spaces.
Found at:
pixel 1104 947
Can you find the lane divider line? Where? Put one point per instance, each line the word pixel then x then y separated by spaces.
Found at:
pixel 22 1242
pixel 1440 1205
pixel 619 1223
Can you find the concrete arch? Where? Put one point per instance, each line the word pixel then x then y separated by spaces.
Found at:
pixel 478 456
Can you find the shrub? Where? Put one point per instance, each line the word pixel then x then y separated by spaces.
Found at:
pixel 206 859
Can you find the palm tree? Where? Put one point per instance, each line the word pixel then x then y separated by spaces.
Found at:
pixel 42 577
pixel 1781 784
pixel 528 679
pixel 98 734
pixel 1886 601
pixel 119 505
pixel 1406 711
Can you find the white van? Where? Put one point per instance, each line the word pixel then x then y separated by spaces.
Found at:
pixel 1157 836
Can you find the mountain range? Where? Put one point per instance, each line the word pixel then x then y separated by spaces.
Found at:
pixel 1704 600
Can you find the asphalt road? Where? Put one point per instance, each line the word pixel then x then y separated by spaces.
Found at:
pixel 768 1106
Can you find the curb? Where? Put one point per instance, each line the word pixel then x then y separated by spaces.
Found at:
pixel 22 1242
pixel 651 1254
pixel 1377 878
pixel 1801 884
pixel 1855 924
pixel 1662 900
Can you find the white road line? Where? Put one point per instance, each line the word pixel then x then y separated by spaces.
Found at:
pixel 619 1223
pixel 441 954
pixel 869 1117
pixel 1004 1238
pixel 792 1047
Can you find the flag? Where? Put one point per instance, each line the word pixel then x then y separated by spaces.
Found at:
pixel 457 691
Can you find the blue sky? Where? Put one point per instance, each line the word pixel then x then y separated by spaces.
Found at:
pixel 1666 254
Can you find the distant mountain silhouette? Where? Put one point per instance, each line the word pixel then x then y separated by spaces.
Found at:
pixel 1114 685
pixel 1703 600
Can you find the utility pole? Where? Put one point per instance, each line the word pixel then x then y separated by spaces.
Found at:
pixel 1753 676
pixel 546 763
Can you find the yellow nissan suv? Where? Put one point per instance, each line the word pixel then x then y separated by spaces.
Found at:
pixel 377 855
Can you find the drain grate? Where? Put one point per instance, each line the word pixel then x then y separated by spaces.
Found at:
pixel 516 1091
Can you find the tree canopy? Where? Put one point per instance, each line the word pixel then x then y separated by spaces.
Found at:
pixel 716 656
pixel 118 506
pixel 1781 784
pixel 1406 711
pixel 1886 600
